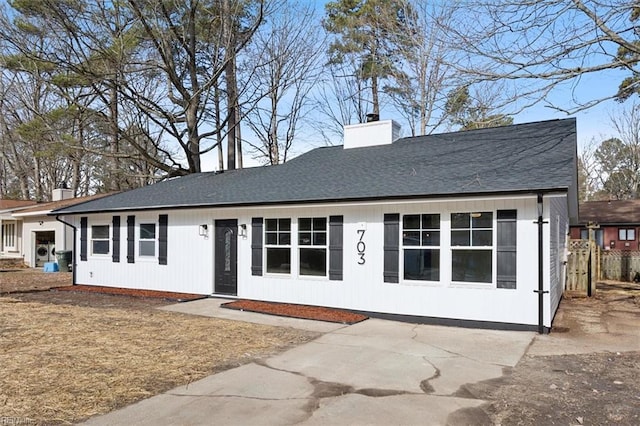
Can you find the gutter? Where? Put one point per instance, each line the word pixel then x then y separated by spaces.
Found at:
pixel 540 222
pixel 313 201
pixel 73 266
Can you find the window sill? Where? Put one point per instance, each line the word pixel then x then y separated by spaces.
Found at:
pixel 146 259
pixel 313 278
pixel 478 286
pixel 277 275
pixel 416 283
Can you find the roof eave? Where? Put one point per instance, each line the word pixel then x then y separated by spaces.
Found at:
pixel 61 212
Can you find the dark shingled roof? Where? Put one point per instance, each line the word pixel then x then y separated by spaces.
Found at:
pixel 519 158
pixel 614 212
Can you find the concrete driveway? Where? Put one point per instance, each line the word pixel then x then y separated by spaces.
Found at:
pixel 374 372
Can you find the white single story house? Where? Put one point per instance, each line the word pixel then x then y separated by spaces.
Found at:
pixel 464 228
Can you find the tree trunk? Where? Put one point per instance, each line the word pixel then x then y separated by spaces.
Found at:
pixel 219 128
pixel 37 181
pixel 274 154
pixel 232 100
pixel 114 176
pixel 193 143
pixel 374 95
pixel 238 134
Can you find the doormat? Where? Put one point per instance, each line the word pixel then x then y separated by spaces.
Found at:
pixel 117 291
pixel 317 313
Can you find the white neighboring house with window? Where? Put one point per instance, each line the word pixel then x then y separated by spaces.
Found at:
pixel 441 228
pixel 11 242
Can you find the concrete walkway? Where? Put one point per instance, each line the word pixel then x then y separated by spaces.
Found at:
pixel 375 372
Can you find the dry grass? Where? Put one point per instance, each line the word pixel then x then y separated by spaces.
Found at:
pixel 32 280
pixel 62 363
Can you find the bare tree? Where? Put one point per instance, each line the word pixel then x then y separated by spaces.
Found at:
pixel 589 183
pixel 619 158
pixel 469 108
pixel 188 52
pixel 340 99
pixel 611 169
pixel 543 44
pixel 288 49
pixel 426 76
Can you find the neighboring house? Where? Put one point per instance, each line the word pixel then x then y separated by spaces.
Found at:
pixel 38 235
pixel 443 227
pixel 616 223
pixel 11 229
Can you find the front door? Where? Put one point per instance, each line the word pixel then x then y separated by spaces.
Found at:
pixel 226 256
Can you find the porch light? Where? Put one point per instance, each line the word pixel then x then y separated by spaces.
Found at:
pixel 242 230
pixel 203 230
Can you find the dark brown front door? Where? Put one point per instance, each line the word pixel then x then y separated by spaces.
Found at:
pixel 226 257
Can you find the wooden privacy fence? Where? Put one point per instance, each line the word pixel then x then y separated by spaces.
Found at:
pixel 583 267
pixel 620 265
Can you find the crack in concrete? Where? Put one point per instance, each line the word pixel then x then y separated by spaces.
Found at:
pixel 425 385
pixel 416 339
pixel 323 389
pixel 459 355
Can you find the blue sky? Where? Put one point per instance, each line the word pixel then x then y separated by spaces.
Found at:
pixel 593 123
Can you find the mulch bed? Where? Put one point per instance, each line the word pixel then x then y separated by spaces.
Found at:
pixel 317 313
pixel 153 294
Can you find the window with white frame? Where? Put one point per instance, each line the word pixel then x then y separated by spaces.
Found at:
pixel 147 241
pixel 100 239
pixel 627 234
pixel 472 247
pixel 312 241
pixel 9 239
pixel 421 247
pixel 277 237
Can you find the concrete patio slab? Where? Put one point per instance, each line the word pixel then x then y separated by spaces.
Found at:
pixel 373 372
pixel 210 307
pixel 390 410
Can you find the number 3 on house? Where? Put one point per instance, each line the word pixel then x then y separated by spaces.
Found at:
pixel 360 247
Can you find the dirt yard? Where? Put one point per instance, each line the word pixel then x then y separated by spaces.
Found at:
pixel 27 280
pixel 67 356
pixel 587 371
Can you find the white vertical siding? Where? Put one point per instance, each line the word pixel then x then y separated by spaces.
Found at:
pixel 363 288
pixel 189 255
pixel 190 262
pixel 558 219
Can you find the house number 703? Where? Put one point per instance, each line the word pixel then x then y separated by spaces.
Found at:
pixel 360 247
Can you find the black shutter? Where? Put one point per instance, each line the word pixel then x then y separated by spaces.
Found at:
pixel 335 247
pixel 83 238
pixel 391 247
pixel 116 239
pixel 507 242
pixel 162 239
pixel 131 234
pixel 256 246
